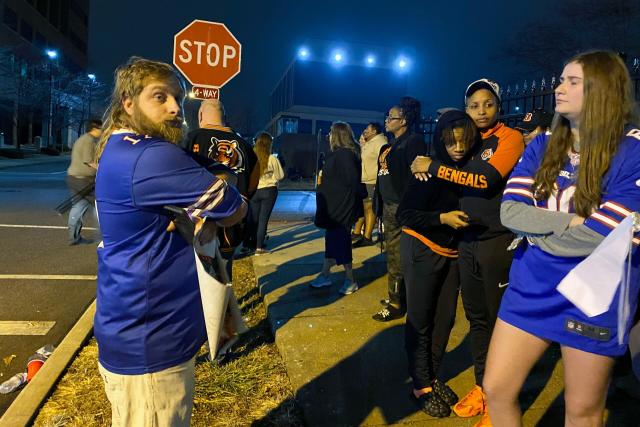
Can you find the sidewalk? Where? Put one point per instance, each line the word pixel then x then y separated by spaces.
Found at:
pixel 32 160
pixel 348 369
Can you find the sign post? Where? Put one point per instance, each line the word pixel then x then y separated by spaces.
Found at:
pixel 208 55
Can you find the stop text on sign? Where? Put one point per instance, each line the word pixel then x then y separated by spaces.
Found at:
pixel 214 54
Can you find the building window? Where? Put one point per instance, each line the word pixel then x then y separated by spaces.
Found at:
pixel 287 125
pixel 82 15
pixel 305 126
pixel 10 18
pixel 43 7
pixel 78 42
pixel 26 30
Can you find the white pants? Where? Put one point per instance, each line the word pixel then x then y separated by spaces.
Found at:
pixel 160 399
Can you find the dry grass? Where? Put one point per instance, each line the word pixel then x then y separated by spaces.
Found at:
pixel 251 389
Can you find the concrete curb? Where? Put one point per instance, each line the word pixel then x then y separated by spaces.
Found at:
pixel 24 409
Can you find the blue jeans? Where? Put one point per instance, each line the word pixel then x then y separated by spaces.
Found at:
pixel 75 218
pixel 80 207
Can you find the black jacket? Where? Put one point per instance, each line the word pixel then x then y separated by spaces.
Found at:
pixel 394 162
pixel 424 201
pixel 339 195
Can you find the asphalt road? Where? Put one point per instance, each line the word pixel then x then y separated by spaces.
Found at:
pixel 28 195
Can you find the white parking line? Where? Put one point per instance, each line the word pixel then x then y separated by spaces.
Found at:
pixel 54 227
pixel 46 277
pixel 25 327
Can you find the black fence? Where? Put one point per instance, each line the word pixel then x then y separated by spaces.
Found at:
pixel 519 99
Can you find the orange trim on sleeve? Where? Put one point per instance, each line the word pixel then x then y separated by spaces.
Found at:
pixel 445 252
pixel 510 148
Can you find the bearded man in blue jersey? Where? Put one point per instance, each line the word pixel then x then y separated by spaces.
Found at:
pixel 149 322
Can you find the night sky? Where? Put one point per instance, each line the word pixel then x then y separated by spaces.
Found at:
pixel 450 43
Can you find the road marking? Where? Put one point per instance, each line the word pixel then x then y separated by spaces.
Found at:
pixel 46 277
pixel 25 327
pixel 54 227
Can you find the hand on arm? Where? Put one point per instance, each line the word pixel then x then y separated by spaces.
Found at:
pixel 420 167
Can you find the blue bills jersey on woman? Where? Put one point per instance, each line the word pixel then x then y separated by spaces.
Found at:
pixel 532 302
pixel 149 314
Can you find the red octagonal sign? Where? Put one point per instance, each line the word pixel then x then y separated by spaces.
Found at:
pixel 206 53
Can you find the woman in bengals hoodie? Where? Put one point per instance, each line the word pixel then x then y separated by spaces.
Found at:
pixel 484 260
pixel 430 217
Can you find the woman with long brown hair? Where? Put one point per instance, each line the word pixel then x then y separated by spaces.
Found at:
pixel 569 190
pixel 339 204
pixel 264 199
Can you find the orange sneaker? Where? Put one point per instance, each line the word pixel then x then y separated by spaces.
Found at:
pixel 485 421
pixel 472 404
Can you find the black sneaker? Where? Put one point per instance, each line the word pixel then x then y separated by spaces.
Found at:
pixel 388 313
pixel 362 242
pixel 431 404
pixel 384 302
pixel 444 392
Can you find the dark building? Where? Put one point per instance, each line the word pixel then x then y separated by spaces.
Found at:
pixel 313 93
pixel 30 78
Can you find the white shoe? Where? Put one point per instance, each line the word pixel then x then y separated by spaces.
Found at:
pixel 320 282
pixel 348 287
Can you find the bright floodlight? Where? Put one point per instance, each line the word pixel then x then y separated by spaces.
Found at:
pixel 517 108
pixel 337 57
pixel 91 76
pixel 303 53
pixel 52 54
pixel 402 63
pixel 371 60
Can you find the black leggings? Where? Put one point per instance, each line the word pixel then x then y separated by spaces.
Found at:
pixel 484 275
pixel 431 282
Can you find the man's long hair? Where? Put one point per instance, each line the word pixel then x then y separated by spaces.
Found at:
pixel 129 81
pixel 263 150
pixel 607 107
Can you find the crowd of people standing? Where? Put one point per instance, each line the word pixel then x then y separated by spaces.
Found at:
pixel 482 213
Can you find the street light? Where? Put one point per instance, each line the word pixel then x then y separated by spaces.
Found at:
pixel 52 54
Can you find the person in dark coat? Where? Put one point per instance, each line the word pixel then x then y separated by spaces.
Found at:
pixel 339 204
pixel 430 217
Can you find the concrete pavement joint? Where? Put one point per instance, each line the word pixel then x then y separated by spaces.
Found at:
pixel 26 406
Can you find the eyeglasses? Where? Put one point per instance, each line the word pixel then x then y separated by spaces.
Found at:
pixel 389 118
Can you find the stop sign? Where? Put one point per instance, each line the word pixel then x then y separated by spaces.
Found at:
pixel 206 53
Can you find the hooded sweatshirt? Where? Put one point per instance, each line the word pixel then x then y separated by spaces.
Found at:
pixel 483 179
pixel 424 201
pixel 369 153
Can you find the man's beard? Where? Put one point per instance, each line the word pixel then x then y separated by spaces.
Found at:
pixel 169 130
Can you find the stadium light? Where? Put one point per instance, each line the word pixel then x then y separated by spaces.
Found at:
pixel 402 64
pixel 52 54
pixel 337 57
pixel 371 60
pixel 303 53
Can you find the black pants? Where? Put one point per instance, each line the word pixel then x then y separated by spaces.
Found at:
pixel 262 204
pixel 392 231
pixel 484 275
pixel 432 284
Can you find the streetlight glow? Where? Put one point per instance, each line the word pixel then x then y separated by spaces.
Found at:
pixel 303 53
pixel 52 54
pixel 371 60
pixel 337 57
pixel 91 76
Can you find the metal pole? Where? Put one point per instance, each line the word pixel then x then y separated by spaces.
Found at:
pixel 318 136
pixel 50 127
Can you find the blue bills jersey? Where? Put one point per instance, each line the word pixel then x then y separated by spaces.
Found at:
pixel 531 301
pixel 149 314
